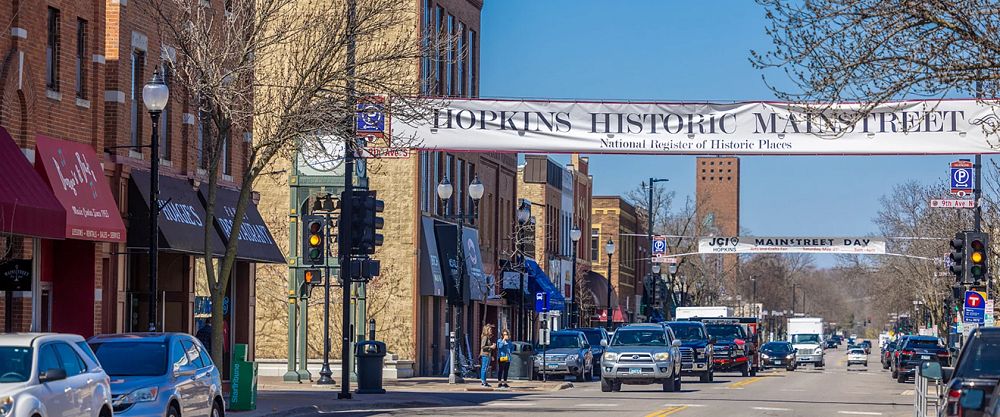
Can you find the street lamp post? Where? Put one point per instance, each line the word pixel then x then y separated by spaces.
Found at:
pixel 154 95
pixel 753 296
pixel 523 220
pixel 476 190
pixel 574 235
pixel 654 280
pixel 609 248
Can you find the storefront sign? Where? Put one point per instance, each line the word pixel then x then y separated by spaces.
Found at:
pixel 745 244
pixel 914 127
pixel 74 172
pixel 181 220
pixel 478 287
pixel 15 275
pixel 255 241
pixel 431 278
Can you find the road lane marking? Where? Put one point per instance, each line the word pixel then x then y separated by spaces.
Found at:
pixel 511 404
pixel 745 382
pixel 860 413
pixel 772 409
pixel 598 405
pixel 792 390
pixel 908 392
pixel 667 411
pixel 683 405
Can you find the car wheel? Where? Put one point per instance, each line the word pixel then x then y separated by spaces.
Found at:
pixel 711 376
pixel 677 383
pixel 746 370
pixel 895 374
pixel 753 372
pixel 580 376
pixel 172 411
pixel 616 386
pixel 606 385
pixel 216 409
pixel 790 368
pixel 105 412
pixel 901 378
pixel 590 375
pixel 705 377
pixel 670 385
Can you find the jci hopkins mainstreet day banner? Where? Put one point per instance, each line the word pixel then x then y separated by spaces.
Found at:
pixel 745 244
pixel 749 128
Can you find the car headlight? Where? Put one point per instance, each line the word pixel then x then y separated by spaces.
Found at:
pixel 700 351
pixel 790 356
pixel 138 396
pixel 818 351
pixel 572 358
pixel 7 406
pixel 662 356
pixel 764 356
pixel 609 356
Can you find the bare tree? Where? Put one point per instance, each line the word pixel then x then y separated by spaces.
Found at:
pixel 279 69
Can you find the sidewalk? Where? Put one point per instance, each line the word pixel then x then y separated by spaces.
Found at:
pixel 276 398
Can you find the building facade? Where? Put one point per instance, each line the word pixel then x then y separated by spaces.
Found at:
pixel 615 220
pixel 717 199
pixel 72 108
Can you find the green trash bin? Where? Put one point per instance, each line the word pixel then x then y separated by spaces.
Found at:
pixel 243 381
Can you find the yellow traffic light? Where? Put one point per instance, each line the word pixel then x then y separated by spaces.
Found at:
pixel 977 257
pixel 315 240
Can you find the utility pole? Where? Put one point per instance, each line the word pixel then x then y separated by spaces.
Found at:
pixel 346 212
pixel 649 229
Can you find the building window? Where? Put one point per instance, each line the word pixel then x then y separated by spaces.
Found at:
pixel 423 180
pixel 460 61
pixel 428 31
pixel 595 237
pixel 471 88
pixel 166 144
pixel 450 64
pixel 227 153
pixel 438 35
pixel 52 51
pixel 81 58
pixel 447 174
pixel 201 141
pixel 135 96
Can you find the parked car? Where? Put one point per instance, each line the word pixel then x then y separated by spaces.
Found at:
pixel 568 353
pixel 867 345
pixel 917 349
pixel 778 355
pixel 887 352
pixel 696 349
pixel 971 386
pixel 51 375
pixel 160 374
pixel 857 356
pixel 895 355
pixel 642 354
pixel 594 337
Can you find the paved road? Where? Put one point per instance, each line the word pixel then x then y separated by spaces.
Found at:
pixel 833 391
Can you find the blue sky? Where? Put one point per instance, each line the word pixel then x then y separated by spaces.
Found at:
pixel 683 50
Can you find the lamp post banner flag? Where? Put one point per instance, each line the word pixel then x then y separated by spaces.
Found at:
pixel 746 244
pixel 915 127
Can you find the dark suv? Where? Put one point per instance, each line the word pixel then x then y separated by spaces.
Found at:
pixel 696 349
pixel 971 385
pixel 913 351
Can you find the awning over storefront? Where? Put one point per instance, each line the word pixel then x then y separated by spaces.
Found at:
pixel 74 173
pixel 27 205
pixel 596 285
pixel 181 221
pixel 255 242
pixel 541 283
pixel 431 278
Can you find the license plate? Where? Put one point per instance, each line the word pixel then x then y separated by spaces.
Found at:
pixel 634 371
pixel 777 362
pixel 553 365
pixel 925 357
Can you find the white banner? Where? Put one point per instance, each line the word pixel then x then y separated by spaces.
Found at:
pixel 748 128
pixel 744 244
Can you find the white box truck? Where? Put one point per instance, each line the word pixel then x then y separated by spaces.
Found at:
pixel 709 312
pixel 806 335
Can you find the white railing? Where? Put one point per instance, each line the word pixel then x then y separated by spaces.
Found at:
pixel 926 393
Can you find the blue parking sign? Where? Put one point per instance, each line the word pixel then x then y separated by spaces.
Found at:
pixel 961 177
pixel 541 302
pixel 371 117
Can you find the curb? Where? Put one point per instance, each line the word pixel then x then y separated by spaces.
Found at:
pixel 560 387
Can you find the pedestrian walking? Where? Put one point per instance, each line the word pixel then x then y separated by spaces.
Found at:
pixel 487 346
pixel 503 358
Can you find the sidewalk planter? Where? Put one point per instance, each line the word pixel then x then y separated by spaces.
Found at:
pixel 243 394
pixel 370 355
pixel 522 361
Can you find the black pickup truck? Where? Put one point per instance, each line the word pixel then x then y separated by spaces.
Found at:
pixel 696 349
pixel 734 349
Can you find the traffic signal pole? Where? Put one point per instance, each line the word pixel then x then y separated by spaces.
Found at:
pixel 346 213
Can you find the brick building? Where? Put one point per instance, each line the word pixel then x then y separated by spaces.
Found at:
pixel 717 197
pixel 72 103
pixel 615 219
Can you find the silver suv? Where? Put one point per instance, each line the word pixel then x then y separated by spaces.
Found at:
pixel 641 354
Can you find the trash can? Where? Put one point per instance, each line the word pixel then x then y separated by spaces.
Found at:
pixel 243 395
pixel 522 358
pixel 369 357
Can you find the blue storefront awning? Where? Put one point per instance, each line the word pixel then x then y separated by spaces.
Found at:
pixel 540 283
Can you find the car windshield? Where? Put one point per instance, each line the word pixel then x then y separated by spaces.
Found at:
pixel 132 358
pixel 924 344
pixel 727 331
pixel 805 338
pixel 776 347
pixel 981 359
pixel 856 351
pixel 15 364
pixel 564 341
pixel 593 336
pixel 624 337
pixel 688 331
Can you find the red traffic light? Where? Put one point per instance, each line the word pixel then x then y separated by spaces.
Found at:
pixel 315 227
pixel 978 245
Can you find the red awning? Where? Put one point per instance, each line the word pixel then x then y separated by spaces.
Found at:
pixel 74 172
pixel 27 206
pixel 618 317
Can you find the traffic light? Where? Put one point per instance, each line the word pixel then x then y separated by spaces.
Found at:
pixel 977 263
pixel 312 277
pixel 958 256
pixel 313 240
pixel 365 222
